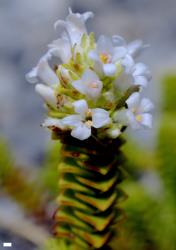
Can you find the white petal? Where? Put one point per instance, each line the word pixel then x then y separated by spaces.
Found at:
pixel 109 69
pixel 93 55
pixel 100 118
pixel 98 67
pixel 93 89
pixel 104 44
pixel 118 40
pixel 72 120
pixel 128 63
pixel 124 81
pixel 139 69
pixel 132 120
pixel 73 33
pixel 49 122
pixel 46 74
pixel 32 76
pixel 79 85
pixel 84 16
pixel 81 132
pixel 80 107
pixel 135 47
pixel 87 15
pixel 146 120
pixel 89 76
pixel 133 101
pixel 47 94
pixel 61 48
pixel 145 106
pixel 74 26
pixel 119 52
pixel 89 84
pixel 141 81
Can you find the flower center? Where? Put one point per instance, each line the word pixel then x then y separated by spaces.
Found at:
pixel 93 85
pixel 138 118
pixel 60 100
pixel 89 113
pixel 89 123
pixel 105 58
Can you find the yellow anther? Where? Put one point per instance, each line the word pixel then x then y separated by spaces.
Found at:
pixel 138 118
pixel 105 58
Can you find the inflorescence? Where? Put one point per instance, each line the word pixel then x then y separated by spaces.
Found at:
pixel 95 86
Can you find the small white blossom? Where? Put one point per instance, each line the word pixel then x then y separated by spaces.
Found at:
pixel 137 112
pixel 43 72
pixel 127 52
pixel 85 118
pixel 53 122
pixel 104 56
pixel 133 48
pixel 61 48
pixel 47 93
pixel 138 74
pixel 74 26
pixel 141 74
pixel 89 84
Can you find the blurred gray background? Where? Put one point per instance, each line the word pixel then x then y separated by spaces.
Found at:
pixel 26 27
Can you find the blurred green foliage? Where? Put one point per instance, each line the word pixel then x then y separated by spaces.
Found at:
pixel 15 182
pixel 5 160
pixel 49 171
pixel 168 93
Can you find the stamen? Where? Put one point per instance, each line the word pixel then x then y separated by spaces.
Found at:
pixel 93 85
pixel 60 100
pixel 105 58
pixel 138 118
pixel 89 113
pixel 89 123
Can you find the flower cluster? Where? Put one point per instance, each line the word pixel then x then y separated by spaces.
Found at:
pixel 95 88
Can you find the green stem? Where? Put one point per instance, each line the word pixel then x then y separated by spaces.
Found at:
pixel 90 174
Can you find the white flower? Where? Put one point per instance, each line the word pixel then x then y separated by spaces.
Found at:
pixel 104 56
pixel 74 26
pixel 61 48
pixel 53 122
pixel 137 112
pixel 43 72
pixel 89 84
pixel 85 118
pixel 47 93
pixel 133 48
pixel 141 74
pixel 127 52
